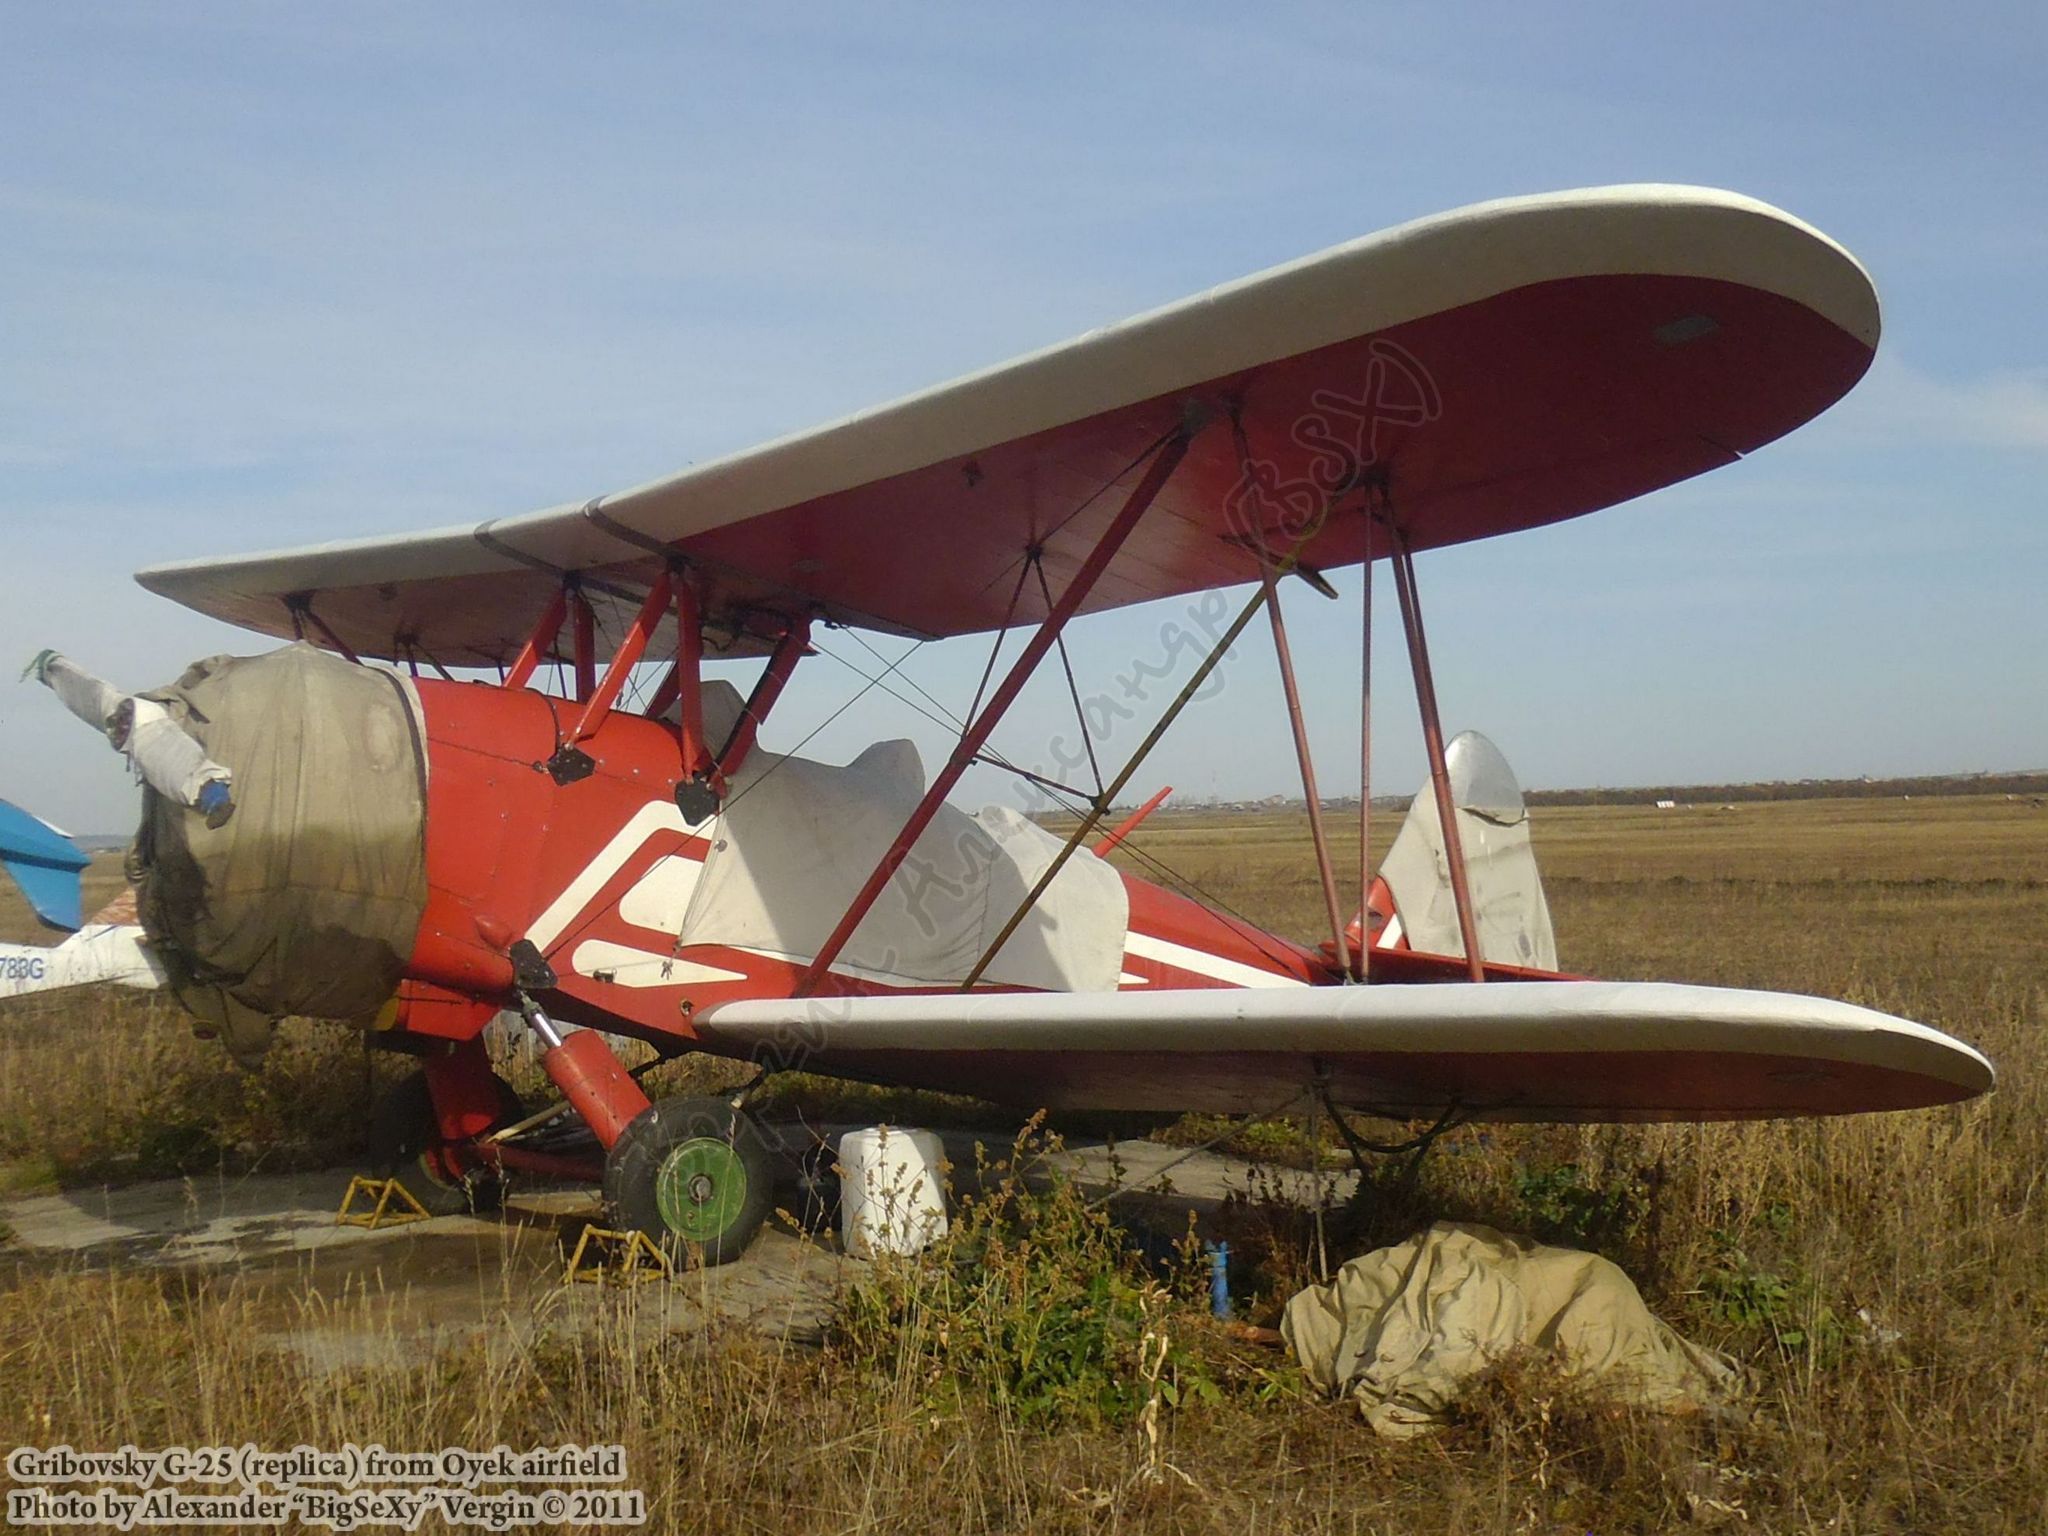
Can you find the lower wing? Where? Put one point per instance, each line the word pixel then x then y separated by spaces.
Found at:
pixel 1561 1051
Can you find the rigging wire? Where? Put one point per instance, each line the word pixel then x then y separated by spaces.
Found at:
pixel 771 769
pixel 947 720
pixel 1071 802
pixel 1067 665
pixel 1103 489
pixel 875 681
pixel 1250 932
pixel 996 650
pixel 950 722
pixel 868 646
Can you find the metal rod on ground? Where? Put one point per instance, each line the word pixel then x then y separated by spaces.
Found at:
pixel 1208 1146
pixel 1326 871
pixel 1433 744
pixel 1164 462
pixel 1315 1173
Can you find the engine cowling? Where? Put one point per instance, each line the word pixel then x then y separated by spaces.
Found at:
pixel 307 899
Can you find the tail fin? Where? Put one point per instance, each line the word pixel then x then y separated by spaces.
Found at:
pixel 1412 896
pixel 44 863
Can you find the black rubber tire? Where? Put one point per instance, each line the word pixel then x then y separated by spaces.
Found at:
pixel 405 1138
pixel 634 1166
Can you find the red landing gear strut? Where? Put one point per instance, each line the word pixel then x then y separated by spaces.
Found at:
pixel 589 1075
pixel 694 1174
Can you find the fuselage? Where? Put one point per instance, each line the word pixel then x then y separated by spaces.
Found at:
pixel 602 874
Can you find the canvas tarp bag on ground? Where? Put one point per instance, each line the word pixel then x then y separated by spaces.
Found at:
pixel 307 901
pixel 1403 1330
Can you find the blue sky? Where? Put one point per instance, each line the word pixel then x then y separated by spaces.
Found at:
pixel 273 274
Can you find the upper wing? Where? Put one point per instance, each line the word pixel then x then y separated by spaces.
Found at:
pixel 1499 367
pixel 1501 1050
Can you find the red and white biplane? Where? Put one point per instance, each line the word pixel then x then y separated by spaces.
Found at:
pixel 327 837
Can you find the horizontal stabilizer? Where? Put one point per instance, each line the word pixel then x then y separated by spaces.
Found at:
pixel 1564 1051
pixel 107 954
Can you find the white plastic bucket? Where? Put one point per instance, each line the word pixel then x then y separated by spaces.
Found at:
pixel 892 1190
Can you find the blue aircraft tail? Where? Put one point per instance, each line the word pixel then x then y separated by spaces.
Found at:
pixel 45 864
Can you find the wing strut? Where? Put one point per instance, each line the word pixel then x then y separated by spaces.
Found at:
pixel 632 646
pixel 788 651
pixel 537 645
pixel 1325 870
pixel 1099 806
pixel 690 695
pixel 300 606
pixel 1433 743
pixel 1164 462
pixel 1365 756
pixel 585 633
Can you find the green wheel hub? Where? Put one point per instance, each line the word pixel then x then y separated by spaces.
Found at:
pixel 694 1174
pixel 700 1189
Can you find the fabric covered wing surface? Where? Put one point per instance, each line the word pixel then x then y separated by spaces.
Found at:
pixel 1557 1051
pixel 1495 368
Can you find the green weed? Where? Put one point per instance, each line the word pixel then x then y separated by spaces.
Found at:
pixel 1033 1301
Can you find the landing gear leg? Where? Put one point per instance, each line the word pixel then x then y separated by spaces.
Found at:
pixel 694 1174
pixel 408 1141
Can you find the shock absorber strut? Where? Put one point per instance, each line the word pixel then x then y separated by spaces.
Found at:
pixel 590 1076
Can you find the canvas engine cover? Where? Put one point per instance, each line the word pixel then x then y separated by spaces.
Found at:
pixel 307 900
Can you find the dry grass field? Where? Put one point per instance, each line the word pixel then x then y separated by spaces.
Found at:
pixel 1886 1278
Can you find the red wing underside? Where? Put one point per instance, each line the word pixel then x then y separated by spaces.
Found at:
pixel 1493 370
pixel 1548 403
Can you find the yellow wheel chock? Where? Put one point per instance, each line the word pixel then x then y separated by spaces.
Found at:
pixel 390 1204
pixel 605 1257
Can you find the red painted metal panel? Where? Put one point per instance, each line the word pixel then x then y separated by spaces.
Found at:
pixel 1539 405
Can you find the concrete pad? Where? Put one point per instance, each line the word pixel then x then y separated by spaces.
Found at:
pixel 345 1297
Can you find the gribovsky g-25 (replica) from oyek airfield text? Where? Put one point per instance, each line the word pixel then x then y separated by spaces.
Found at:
pixel 388 844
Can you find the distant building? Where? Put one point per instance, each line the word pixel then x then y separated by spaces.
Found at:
pixel 1667 805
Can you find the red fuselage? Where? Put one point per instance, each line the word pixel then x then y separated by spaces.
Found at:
pixel 596 873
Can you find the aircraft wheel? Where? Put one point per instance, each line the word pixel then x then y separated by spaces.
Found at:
pixel 694 1175
pixel 405 1144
